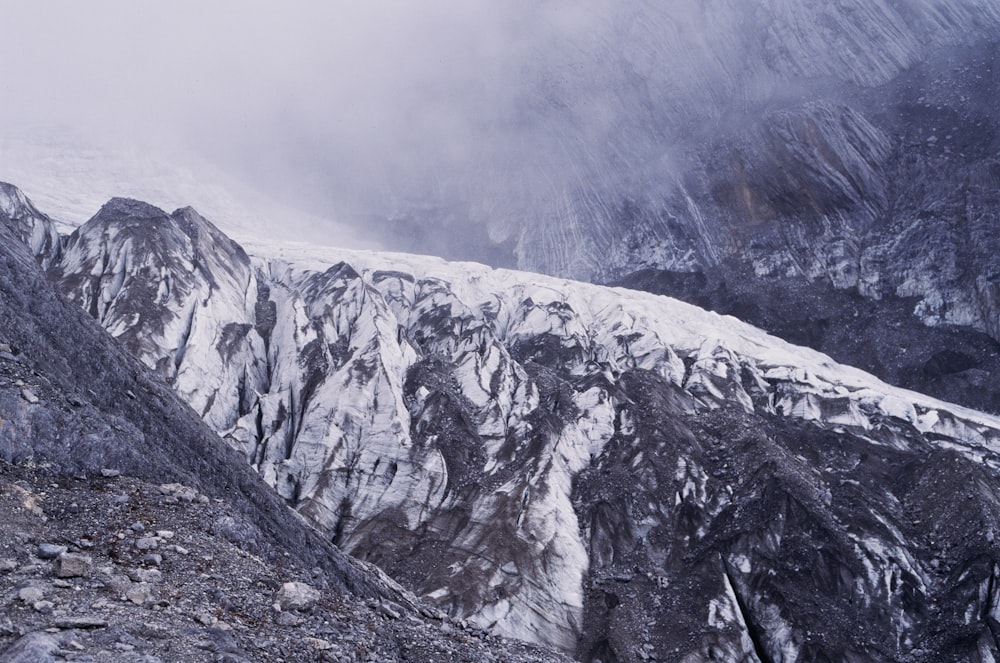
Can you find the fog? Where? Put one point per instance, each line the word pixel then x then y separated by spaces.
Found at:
pixel 337 101
pixel 331 106
pixel 342 106
pixel 351 109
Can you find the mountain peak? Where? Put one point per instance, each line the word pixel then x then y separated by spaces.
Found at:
pixel 194 225
pixel 34 228
pixel 8 189
pixel 129 208
pixel 13 200
pixel 184 231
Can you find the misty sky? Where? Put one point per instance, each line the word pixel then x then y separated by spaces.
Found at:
pixel 347 106
pixel 355 107
pixel 315 94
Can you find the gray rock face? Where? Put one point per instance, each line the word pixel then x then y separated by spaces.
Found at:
pixel 606 472
pixel 851 142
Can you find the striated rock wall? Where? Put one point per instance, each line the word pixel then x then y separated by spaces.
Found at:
pixel 851 142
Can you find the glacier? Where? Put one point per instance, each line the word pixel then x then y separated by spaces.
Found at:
pixel 611 473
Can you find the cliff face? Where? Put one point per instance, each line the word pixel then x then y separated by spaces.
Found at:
pixel 851 142
pixel 27 224
pixel 603 471
pixel 890 190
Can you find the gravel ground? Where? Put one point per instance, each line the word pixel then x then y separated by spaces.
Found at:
pixel 111 568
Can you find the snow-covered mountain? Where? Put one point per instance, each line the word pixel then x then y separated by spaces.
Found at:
pixel 849 145
pixel 851 142
pixel 612 473
pixel 93 445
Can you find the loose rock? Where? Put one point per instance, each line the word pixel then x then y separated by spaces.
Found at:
pixel 147 543
pixel 37 647
pixel 288 619
pixel 152 559
pixel 319 644
pixel 119 585
pixel 146 575
pixel 139 594
pixel 73 565
pixel 31 594
pixel 50 550
pixel 206 618
pixel 179 491
pixel 390 610
pixel 44 607
pixel 8 629
pixel 297 596
pixel 81 621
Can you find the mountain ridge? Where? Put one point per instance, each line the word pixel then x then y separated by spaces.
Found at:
pixel 575 465
pixel 83 422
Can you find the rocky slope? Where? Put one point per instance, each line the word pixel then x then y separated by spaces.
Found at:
pixel 610 473
pixel 103 567
pixel 166 545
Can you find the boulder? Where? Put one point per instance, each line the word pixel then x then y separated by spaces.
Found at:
pixel 297 596
pixel 73 565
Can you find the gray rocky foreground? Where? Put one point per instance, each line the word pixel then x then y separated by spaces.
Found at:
pixel 203 599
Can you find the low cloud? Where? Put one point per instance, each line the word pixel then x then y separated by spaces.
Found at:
pixel 357 108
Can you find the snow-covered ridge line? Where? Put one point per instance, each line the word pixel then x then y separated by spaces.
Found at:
pixel 685 327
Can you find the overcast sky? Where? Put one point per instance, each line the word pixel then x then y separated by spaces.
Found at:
pixel 374 105
pixel 146 63
pixel 336 94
